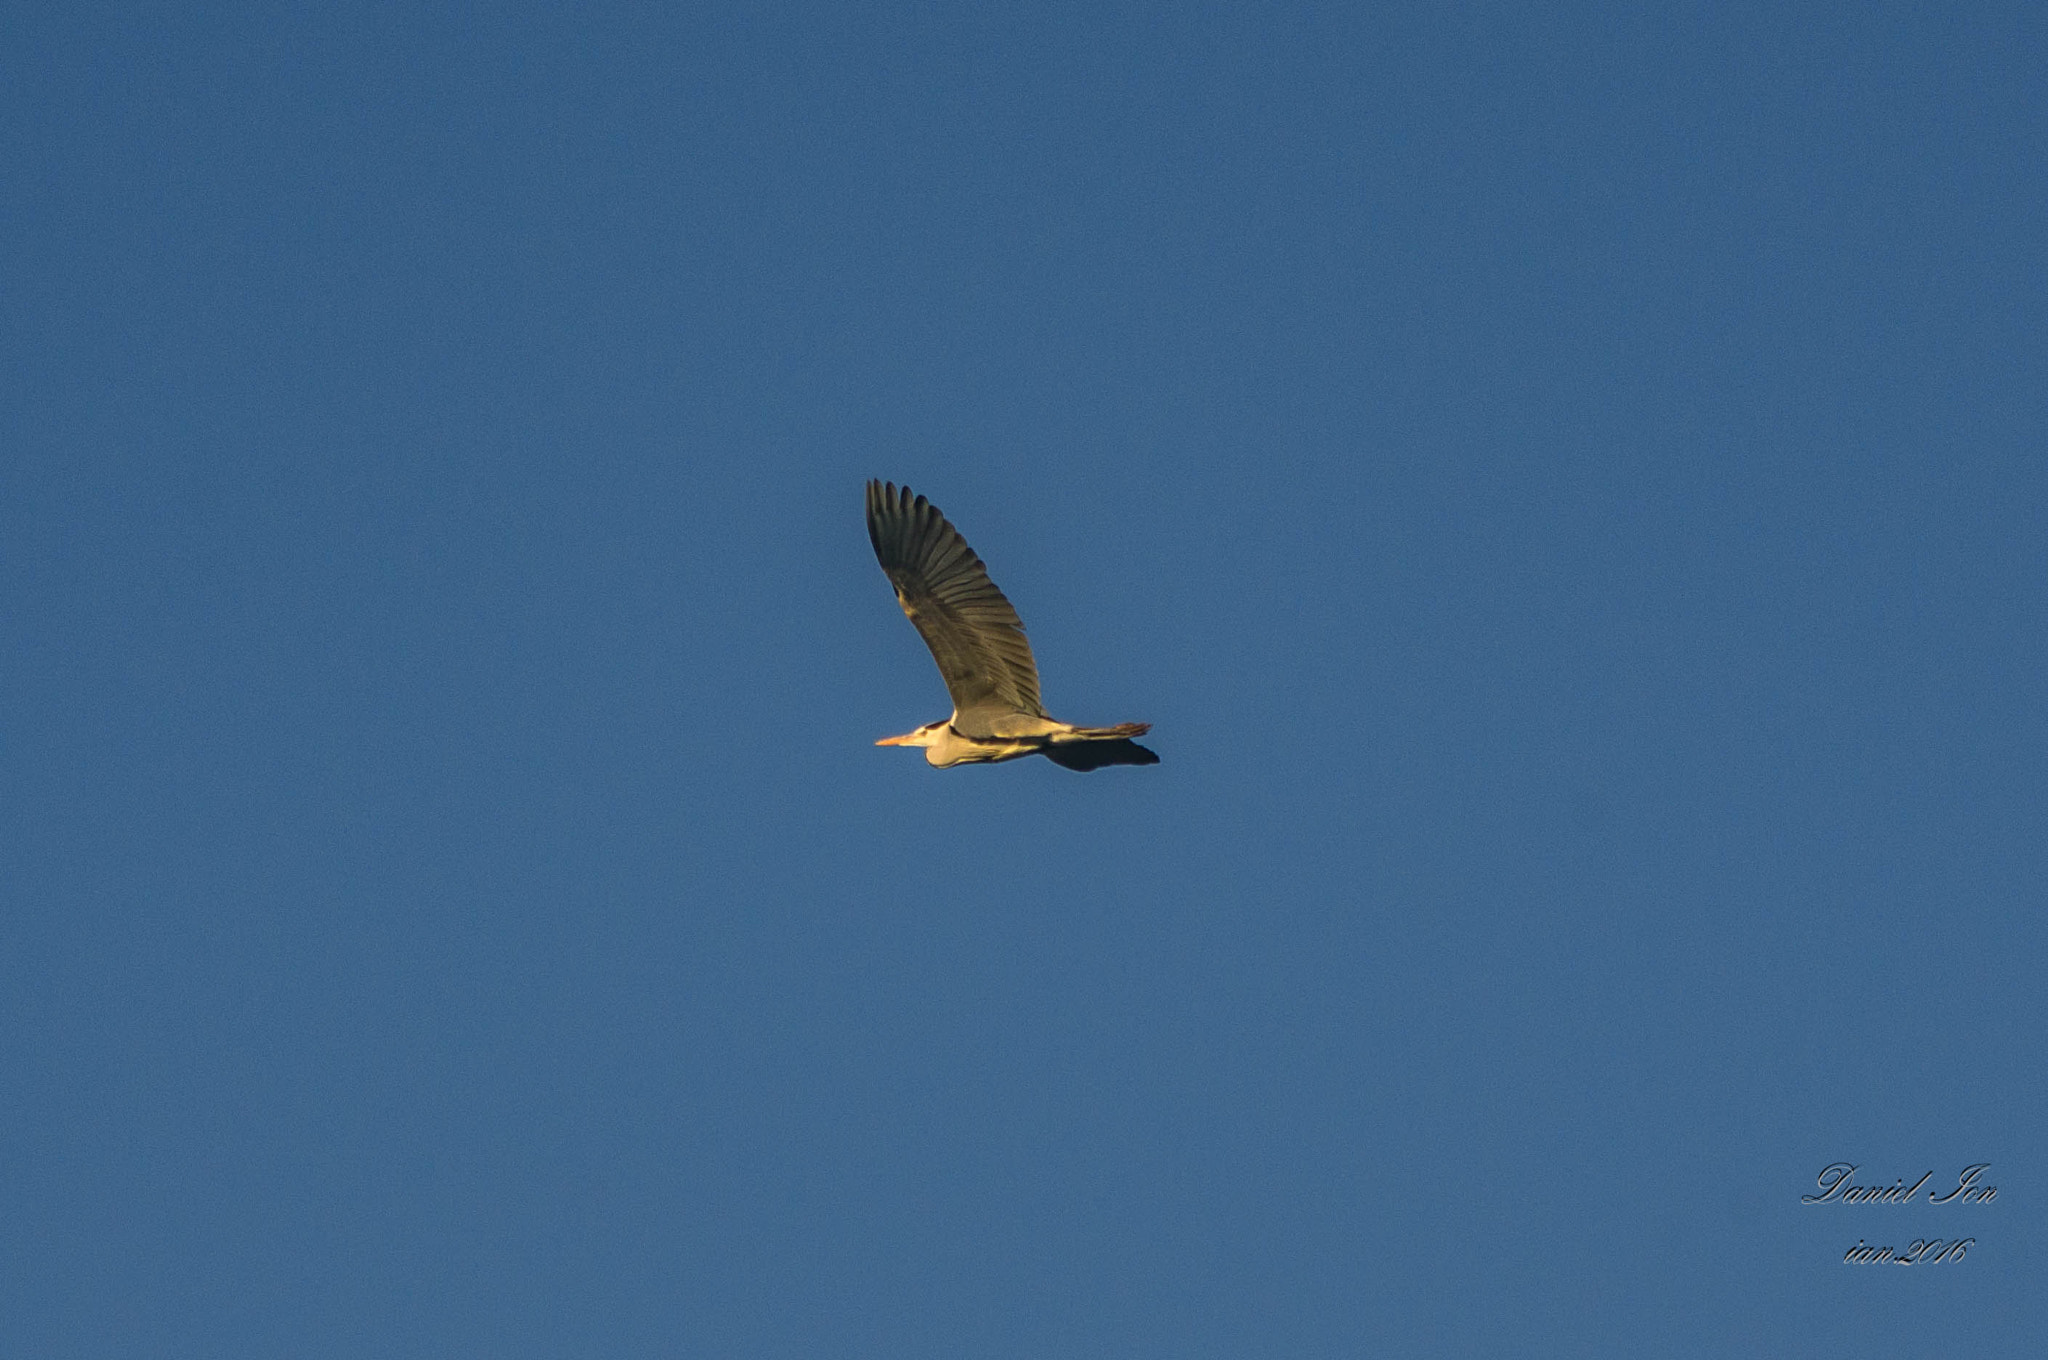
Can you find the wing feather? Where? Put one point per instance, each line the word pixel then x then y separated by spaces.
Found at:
pixel 974 635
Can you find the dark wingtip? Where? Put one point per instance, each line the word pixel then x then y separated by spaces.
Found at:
pixel 899 521
pixel 1093 755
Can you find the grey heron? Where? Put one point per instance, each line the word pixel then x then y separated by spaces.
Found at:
pixel 979 644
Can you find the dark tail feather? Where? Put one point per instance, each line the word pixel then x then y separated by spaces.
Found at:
pixel 1093 755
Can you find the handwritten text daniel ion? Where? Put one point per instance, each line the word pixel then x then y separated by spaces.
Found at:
pixel 1836 1184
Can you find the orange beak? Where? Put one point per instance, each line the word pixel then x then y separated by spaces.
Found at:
pixel 903 740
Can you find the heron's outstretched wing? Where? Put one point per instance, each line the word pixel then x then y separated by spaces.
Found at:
pixel 1093 755
pixel 974 634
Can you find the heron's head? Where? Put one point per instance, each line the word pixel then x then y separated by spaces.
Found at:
pixel 923 736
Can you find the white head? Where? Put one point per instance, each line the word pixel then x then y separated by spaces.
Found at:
pixel 928 735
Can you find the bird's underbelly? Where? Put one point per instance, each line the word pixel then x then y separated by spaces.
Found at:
pixel 955 749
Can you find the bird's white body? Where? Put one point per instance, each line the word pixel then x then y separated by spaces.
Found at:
pixel 945 745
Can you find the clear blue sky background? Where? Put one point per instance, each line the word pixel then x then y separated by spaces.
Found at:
pixel 1566 483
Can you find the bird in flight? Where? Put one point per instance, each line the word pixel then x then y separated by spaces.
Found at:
pixel 978 641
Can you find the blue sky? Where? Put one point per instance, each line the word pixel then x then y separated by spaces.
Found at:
pixel 1564 482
